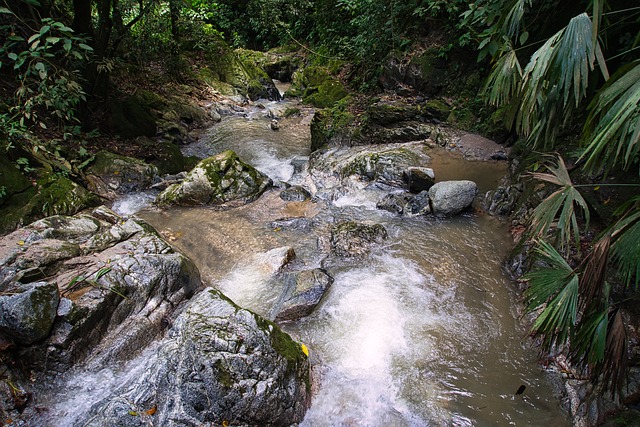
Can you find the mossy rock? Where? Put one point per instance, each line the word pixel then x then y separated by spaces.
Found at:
pixel 238 73
pixel 51 195
pixel 214 180
pixel 388 113
pixel 111 174
pixel 331 125
pixel 317 87
pixel 438 108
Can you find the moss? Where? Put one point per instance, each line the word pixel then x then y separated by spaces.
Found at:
pixel 166 156
pixel 438 108
pixel 289 112
pixel 51 195
pixel 334 123
pixel 317 87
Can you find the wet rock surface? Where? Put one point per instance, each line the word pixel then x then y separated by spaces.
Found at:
pixel 351 239
pixel 303 292
pixel 219 364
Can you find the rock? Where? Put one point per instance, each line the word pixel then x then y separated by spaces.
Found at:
pixel 351 239
pixel 420 204
pixel 295 194
pixel 274 125
pixel 50 194
pixel 215 180
pixel 317 87
pixel 111 174
pixel 303 291
pixel 451 197
pixel 273 261
pixel 220 364
pixel 118 279
pixel 386 166
pixel 419 179
pixel 27 311
pixel 296 223
pixel 502 200
pixel 394 203
pixel 386 113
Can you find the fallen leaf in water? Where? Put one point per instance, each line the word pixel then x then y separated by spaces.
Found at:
pixel 133 413
pixel 151 411
pixel 225 423
pixel 305 350
pixel 20 242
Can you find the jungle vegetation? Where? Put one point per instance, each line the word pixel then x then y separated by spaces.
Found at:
pixel 566 78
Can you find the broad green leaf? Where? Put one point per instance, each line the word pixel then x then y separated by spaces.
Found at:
pixel 85 47
pixel 12 56
pixel 5 10
pixel 53 40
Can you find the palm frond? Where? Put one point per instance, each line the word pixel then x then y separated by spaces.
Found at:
pixel 612 128
pixel 614 365
pixel 557 71
pixel 590 340
pixel 504 81
pixel 554 287
pixel 559 208
pixel 626 247
pixel 513 19
pixel 595 264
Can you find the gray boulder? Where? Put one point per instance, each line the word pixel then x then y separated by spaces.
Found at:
pixel 27 312
pixel 117 278
pixel 451 197
pixel 352 239
pixel 215 180
pixel 219 365
pixel 303 291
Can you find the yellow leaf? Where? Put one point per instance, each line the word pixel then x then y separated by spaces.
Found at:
pixel 151 411
pixel 133 413
pixel 596 188
pixel 21 243
pixel 305 350
pixel 225 423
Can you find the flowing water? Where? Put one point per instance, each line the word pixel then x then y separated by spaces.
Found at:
pixel 422 332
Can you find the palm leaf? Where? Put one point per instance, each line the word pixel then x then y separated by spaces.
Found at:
pixel 557 71
pixel 590 340
pixel 504 81
pixel 595 264
pixel 612 129
pixel 626 247
pixel 513 20
pixel 554 287
pixel 558 209
pixel 614 364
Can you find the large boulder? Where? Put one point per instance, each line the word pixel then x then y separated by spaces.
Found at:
pixel 217 179
pixel 27 312
pixel 49 194
pixel 220 365
pixel 451 197
pixel 112 174
pixel 303 292
pixel 108 283
pixel 317 87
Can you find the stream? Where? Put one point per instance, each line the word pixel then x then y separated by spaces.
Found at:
pixel 425 331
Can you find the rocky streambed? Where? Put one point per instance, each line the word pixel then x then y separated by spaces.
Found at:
pixel 355 285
